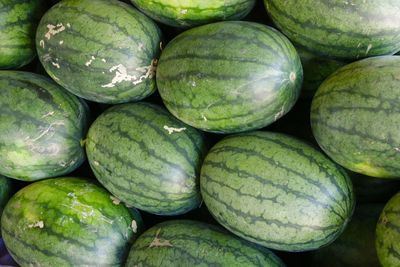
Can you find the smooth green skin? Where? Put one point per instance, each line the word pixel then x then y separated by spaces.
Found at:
pixel 340 29
pixel 193 243
pixel 355 117
pixel 66 222
pixel 229 76
pixel 189 13
pixel 276 191
pixel 388 234
pixel 18 21
pixel 316 70
pixel 41 127
pixel 356 246
pixel 100 50
pixel 134 156
pixel 5 193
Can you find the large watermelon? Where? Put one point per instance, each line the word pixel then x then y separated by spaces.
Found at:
pixel 5 192
pixel 18 21
pixel 101 50
pixel 229 76
pixel 41 127
pixel 190 13
pixel 147 158
pixel 388 234
pixel 192 243
pixel 341 29
pixel 355 116
pixel 277 191
pixel 67 222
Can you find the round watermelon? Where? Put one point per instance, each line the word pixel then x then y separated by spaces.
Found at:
pixel 101 50
pixel 229 76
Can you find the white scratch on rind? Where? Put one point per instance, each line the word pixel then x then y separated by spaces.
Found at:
pixel 368 49
pixel 53 30
pixel 50 113
pixel 68 25
pixel 134 226
pixel 104 60
pixel 41 43
pixel 204 117
pixel 39 224
pixel 61 42
pixel 397 149
pixel 172 130
pixel 55 64
pixel 90 61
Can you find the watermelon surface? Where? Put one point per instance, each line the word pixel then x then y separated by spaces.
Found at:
pixel 229 77
pixel 18 22
pixel 189 13
pixel 67 222
pixel 192 243
pixel 277 191
pixel 355 116
pixel 340 29
pixel 101 50
pixel 147 158
pixel 388 233
pixel 41 127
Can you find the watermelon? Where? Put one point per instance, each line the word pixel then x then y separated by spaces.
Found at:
pixel 18 22
pixel 41 127
pixel 316 70
pixel 354 116
pixel 189 13
pixel 147 158
pixel 101 50
pixel 67 222
pixel 340 29
pixel 388 233
pixel 5 192
pixel 356 246
pixel 276 191
pixel 229 76
pixel 192 243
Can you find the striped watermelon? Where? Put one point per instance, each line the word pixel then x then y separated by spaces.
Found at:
pixel 277 191
pixel 41 127
pixel 229 76
pixel 18 21
pixel 355 116
pixel 356 246
pixel 340 29
pixel 388 234
pixel 101 50
pixel 147 158
pixel 67 222
pixel 5 192
pixel 192 243
pixel 190 13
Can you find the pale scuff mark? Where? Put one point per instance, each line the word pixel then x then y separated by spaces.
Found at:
pixel 157 242
pixel 184 11
pixel 50 113
pixel 68 25
pixel 41 43
pixel 39 224
pixel 397 149
pixel 368 49
pixel 104 60
pixel 115 200
pixel 55 64
pixel 90 61
pixel 280 113
pixel 134 226
pixel 53 30
pixel 61 42
pixel 204 117
pixel 172 130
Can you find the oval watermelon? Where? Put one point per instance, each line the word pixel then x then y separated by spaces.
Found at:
pixel 67 222
pixel 229 76
pixel 41 127
pixel 277 191
pixel 355 116
pixel 101 50
pixel 388 233
pixel 147 158
pixel 192 243
pixel 340 29
pixel 18 22
pixel 189 13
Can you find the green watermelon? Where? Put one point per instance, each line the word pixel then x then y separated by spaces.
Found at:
pixel 147 158
pixel 192 243
pixel 388 234
pixel 18 21
pixel 41 127
pixel 101 50
pixel 5 193
pixel 356 246
pixel 188 13
pixel 67 222
pixel 316 70
pixel 229 76
pixel 340 29
pixel 354 116
pixel 276 191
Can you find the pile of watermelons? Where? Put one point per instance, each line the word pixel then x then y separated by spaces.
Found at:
pixel 200 133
